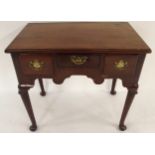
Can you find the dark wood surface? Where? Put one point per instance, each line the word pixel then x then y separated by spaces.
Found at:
pixel 58 50
pixel 70 37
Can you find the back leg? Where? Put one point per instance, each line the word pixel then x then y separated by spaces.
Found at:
pixel 113 92
pixel 42 93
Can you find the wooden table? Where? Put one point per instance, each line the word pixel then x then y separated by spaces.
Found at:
pixel 98 50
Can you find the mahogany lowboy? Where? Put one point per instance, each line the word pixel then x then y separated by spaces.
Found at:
pixel 59 50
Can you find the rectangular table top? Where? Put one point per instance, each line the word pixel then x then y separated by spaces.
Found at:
pixel 78 36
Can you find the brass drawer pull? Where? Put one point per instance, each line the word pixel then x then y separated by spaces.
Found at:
pixel 78 60
pixel 36 64
pixel 121 64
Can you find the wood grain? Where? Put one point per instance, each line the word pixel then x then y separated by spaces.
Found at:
pixel 78 37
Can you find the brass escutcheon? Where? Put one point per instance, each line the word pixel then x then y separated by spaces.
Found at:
pixel 121 64
pixel 78 60
pixel 36 64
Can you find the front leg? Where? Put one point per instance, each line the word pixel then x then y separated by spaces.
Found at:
pixel 23 91
pixel 132 91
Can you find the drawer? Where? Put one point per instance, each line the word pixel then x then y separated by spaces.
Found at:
pixel 120 65
pixel 78 60
pixel 36 64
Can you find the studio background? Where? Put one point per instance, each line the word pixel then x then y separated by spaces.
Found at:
pixel 77 105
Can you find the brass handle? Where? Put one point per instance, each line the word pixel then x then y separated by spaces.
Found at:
pixel 78 60
pixel 36 64
pixel 121 64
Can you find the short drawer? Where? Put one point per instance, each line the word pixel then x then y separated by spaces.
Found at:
pixel 36 64
pixel 120 65
pixel 78 60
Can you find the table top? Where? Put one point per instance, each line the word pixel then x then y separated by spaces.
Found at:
pixel 78 36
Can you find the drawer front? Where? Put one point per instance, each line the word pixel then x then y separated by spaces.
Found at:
pixel 120 65
pixel 36 64
pixel 78 60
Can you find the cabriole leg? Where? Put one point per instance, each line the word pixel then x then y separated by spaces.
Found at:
pixel 23 91
pixel 132 91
